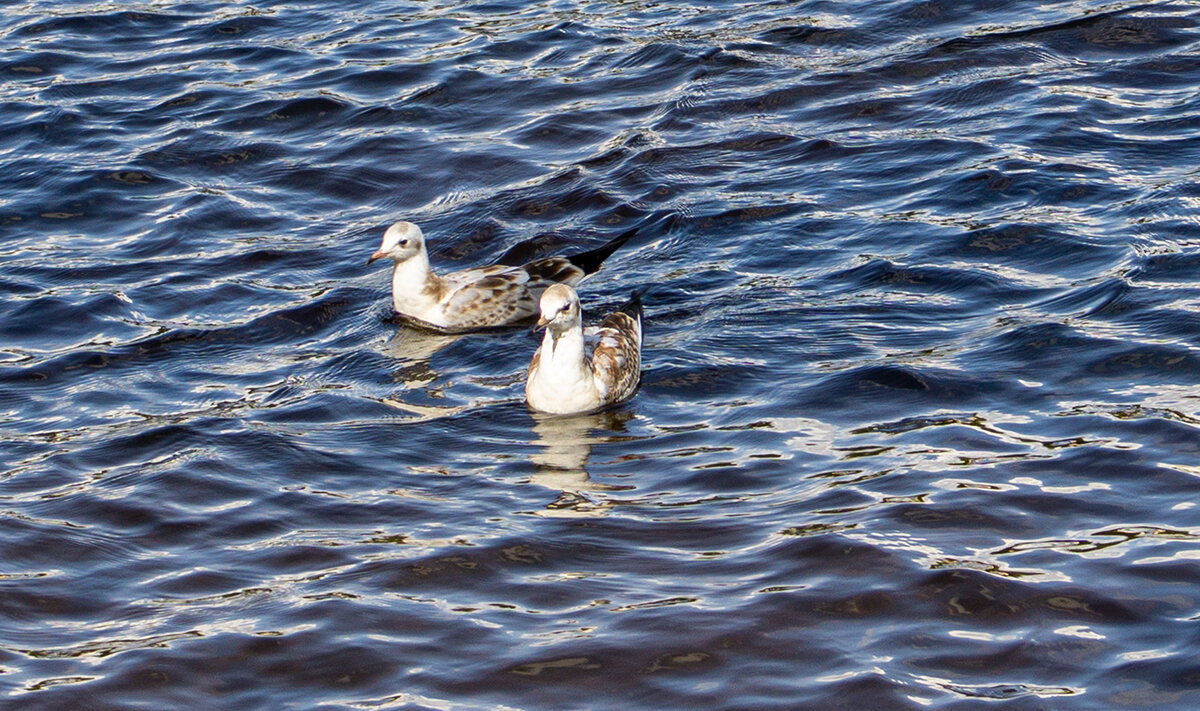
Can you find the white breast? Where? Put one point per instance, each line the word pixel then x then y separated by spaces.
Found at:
pixel 562 381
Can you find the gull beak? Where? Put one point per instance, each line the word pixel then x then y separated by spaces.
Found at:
pixel 542 322
pixel 377 255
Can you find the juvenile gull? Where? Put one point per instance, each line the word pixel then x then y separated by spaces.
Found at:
pixel 476 299
pixel 571 373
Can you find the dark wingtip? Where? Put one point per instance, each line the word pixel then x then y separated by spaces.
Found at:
pixel 591 260
pixel 633 306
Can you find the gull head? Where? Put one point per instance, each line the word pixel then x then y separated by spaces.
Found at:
pixel 401 241
pixel 560 308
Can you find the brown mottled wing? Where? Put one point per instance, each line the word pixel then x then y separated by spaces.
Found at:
pixel 552 270
pixel 617 358
pixel 494 296
pixel 533 365
pixel 501 295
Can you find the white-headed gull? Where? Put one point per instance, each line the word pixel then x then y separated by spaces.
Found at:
pixel 571 372
pixel 476 299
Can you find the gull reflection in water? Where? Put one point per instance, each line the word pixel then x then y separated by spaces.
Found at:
pixel 413 346
pixel 413 349
pixel 564 446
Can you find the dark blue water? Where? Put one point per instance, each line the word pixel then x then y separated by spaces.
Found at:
pixel 919 425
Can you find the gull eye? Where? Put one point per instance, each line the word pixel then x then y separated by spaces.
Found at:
pixel 403 243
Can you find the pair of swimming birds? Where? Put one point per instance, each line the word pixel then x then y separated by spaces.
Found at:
pixel 574 370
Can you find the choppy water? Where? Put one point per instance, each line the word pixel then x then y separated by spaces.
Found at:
pixel 919 424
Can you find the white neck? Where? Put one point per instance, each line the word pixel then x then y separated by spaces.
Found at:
pixel 565 350
pixel 564 380
pixel 414 287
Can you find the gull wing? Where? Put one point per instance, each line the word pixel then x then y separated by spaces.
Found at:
pixel 617 356
pixel 493 296
pixel 552 270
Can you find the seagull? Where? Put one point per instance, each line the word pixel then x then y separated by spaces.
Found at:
pixel 569 374
pixel 476 299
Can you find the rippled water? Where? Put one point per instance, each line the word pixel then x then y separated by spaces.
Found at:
pixel 919 422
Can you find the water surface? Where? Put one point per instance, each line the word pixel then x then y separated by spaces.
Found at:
pixel 919 421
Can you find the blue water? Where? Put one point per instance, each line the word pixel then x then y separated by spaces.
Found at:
pixel 919 424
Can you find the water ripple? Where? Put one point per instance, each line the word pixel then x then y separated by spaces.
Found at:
pixel 918 420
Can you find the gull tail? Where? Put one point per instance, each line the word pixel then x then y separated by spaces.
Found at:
pixel 633 306
pixel 591 260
